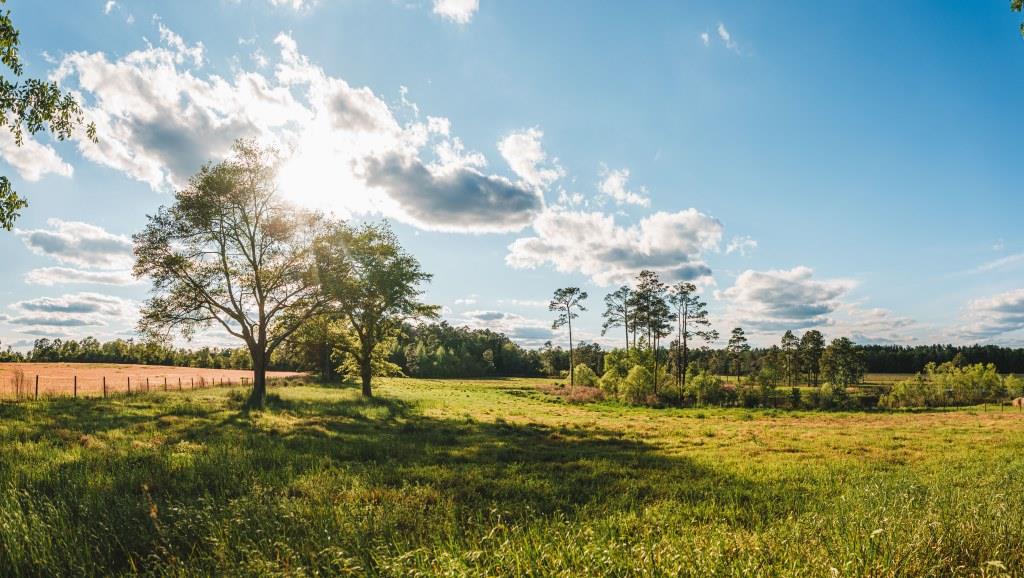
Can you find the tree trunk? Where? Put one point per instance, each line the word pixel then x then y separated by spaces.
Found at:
pixel 625 323
pixel 655 366
pixel 366 367
pixel 572 380
pixel 258 395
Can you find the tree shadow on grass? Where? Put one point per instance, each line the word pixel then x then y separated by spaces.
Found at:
pixel 162 491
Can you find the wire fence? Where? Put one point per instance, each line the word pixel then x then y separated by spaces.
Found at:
pixel 21 385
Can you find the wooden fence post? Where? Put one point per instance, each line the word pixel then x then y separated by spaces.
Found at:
pixel 147 385
pixel 165 383
pixel 104 387
pixel 75 378
pixel 129 385
pixel 37 386
pixel 193 380
pixel 179 384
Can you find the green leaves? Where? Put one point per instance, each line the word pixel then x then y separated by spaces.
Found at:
pixel 10 204
pixel 33 105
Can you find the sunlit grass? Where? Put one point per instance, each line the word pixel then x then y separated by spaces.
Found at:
pixel 453 477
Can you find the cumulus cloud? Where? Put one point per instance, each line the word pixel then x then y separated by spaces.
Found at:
pixel 33 160
pixel 783 299
pixel 80 244
pixel 742 245
pixel 524 330
pixel 991 317
pixel 49 276
pixel 705 38
pixel 72 310
pixel 592 243
pixel 458 200
pixel 524 154
pixel 874 326
pixel 615 185
pixel 458 11
pixel 342 147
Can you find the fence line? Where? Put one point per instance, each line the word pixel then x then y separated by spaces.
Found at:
pixel 23 387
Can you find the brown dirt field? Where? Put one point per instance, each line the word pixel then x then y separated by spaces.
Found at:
pixel 59 378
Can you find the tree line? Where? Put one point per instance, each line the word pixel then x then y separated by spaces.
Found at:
pixel 688 370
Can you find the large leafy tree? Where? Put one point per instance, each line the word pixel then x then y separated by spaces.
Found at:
pixel 30 105
pixel 230 253
pixel 691 315
pixel 566 302
pixel 374 289
pixel 617 311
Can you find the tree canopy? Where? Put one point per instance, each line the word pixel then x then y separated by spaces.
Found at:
pixel 373 286
pixel 30 105
pixel 230 252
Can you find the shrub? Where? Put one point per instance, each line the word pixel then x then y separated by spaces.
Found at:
pixel 704 387
pixel 610 382
pixel 832 396
pixel 638 385
pixel 583 375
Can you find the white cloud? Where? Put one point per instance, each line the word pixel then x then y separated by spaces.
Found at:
pixel 342 148
pixel 49 276
pixel 705 38
pixel 783 299
pixel 524 330
pixel 742 245
pixel 80 244
pixel 525 155
pixel 615 184
pixel 1000 263
pixel 109 6
pixel 180 48
pixel 726 38
pixel 33 160
pixel 469 300
pixel 459 11
pixel 293 4
pixel 592 243
pixel 71 310
pixel 994 316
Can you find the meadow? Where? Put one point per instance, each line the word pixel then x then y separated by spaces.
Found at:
pixel 496 477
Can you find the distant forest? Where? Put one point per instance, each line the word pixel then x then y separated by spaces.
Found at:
pixel 441 350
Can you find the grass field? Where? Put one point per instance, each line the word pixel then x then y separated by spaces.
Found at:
pixel 457 478
pixel 57 379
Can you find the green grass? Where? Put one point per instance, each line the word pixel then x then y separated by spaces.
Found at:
pixel 454 478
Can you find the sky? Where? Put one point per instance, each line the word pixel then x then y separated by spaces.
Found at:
pixel 851 167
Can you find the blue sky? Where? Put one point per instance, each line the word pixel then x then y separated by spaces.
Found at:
pixel 851 167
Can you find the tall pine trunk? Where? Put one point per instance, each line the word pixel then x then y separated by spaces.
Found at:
pixel 572 378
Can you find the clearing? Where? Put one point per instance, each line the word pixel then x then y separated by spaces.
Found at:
pixel 469 477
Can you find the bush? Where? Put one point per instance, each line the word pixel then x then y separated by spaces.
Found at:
pixel 638 385
pixel 832 396
pixel 610 382
pixel 704 388
pixel 584 376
